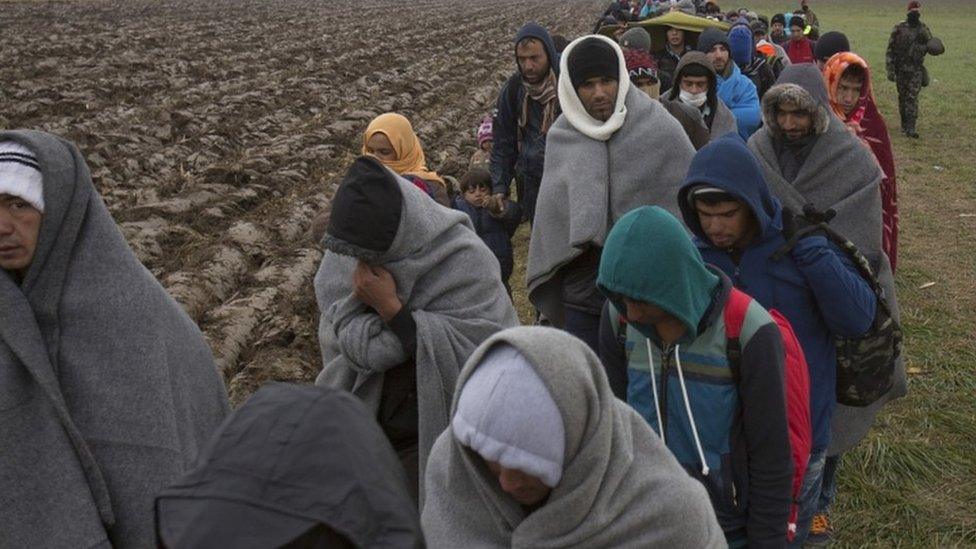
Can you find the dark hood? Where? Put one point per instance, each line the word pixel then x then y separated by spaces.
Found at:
pixel 803 85
pixel 291 459
pixel 695 58
pixel 726 163
pixel 808 77
pixel 537 31
pixel 366 209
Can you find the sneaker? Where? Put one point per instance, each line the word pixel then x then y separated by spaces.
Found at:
pixel 820 531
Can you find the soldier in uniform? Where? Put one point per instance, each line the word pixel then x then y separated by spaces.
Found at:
pixel 904 61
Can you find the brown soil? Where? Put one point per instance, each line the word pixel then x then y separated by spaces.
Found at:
pixel 216 131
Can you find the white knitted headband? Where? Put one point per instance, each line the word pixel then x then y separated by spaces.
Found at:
pixel 20 174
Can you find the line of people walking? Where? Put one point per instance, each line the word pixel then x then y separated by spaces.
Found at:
pixel 714 272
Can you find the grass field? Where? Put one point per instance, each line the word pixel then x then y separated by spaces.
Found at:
pixel 912 481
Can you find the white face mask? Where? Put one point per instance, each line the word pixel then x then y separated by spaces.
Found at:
pixel 696 99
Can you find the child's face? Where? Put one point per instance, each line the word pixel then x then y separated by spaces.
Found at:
pixel 476 196
pixel 486 146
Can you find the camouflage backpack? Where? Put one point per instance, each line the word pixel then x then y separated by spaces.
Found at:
pixel 866 364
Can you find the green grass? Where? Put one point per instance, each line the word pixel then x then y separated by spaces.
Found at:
pixel 912 481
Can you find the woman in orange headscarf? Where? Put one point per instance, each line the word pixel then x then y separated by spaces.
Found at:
pixel 391 139
pixel 848 80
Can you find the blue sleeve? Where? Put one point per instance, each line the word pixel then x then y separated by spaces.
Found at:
pixel 845 299
pixel 745 106
pixel 504 150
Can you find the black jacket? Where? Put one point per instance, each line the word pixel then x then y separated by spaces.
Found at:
pixel 294 463
pixel 508 155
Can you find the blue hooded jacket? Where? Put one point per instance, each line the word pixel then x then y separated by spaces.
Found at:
pixel 507 157
pixel 815 287
pixel 740 96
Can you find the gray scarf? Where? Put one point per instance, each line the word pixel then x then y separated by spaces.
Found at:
pixel 840 173
pixel 107 388
pixel 620 487
pixel 588 184
pixel 449 281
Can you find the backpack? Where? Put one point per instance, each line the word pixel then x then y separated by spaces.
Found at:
pixel 797 381
pixel 866 364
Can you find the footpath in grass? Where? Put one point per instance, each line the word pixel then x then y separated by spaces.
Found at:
pixel 912 481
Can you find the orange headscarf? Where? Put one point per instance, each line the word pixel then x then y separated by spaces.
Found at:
pixel 410 154
pixel 834 69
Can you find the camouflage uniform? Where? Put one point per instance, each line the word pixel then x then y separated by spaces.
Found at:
pixel 904 61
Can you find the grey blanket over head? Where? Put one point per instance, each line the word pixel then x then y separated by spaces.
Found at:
pixel 841 174
pixel 107 388
pixel 587 185
pixel 451 284
pixel 620 487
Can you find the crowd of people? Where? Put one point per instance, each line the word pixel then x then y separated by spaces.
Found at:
pixel 713 240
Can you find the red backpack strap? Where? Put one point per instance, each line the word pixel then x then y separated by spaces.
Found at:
pixel 735 312
pixel 735 315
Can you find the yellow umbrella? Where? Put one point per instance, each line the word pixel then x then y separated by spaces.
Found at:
pixel 657 27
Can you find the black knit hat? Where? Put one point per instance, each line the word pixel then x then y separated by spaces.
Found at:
pixel 710 37
pixel 592 57
pixel 830 43
pixel 365 211
pixel 778 18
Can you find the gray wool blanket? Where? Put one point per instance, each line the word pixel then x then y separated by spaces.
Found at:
pixel 449 281
pixel 589 184
pixel 723 122
pixel 840 174
pixel 620 487
pixel 107 389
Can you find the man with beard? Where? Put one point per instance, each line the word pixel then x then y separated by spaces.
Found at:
pixel 527 106
pixel 777 32
pixel 736 91
pixel 612 150
pixel 904 61
pixel 810 157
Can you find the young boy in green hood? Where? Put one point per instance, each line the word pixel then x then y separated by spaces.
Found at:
pixel 663 343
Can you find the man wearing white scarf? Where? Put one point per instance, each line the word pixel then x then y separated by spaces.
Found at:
pixel 613 149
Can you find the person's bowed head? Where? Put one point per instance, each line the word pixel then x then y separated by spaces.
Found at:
pixel 539 448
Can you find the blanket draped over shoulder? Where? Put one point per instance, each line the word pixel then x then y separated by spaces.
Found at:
pixel 588 184
pixel 449 281
pixel 840 174
pixel 620 486
pixel 107 388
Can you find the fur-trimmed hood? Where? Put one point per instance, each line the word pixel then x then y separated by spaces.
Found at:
pixel 803 86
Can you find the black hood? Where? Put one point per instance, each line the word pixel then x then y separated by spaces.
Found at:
pixel 537 31
pixel 366 209
pixel 292 459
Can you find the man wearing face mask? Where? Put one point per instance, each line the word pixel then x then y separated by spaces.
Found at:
pixel 612 150
pixel 696 87
pixel 734 89
pixel 905 60
pixel 643 74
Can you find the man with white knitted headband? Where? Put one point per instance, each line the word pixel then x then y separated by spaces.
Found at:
pixel 21 207
pixel 612 150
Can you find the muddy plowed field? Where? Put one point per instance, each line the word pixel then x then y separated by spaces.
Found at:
pixel 217 130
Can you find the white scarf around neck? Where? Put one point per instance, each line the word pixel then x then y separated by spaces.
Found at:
pixel 573 108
